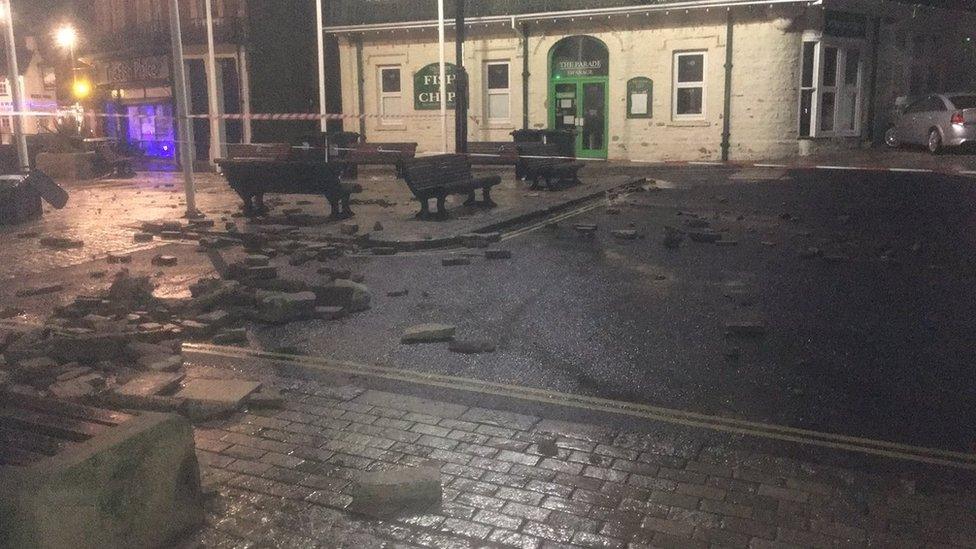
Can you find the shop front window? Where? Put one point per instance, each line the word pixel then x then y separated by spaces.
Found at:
pixel 830 89
pixel 391 96
pixel 689 86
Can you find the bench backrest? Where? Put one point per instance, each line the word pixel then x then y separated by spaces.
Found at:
pixel 431 172
pixel 107 153
pixel 536 155
pixel 273 151
pixel 492 152
pixel 384 153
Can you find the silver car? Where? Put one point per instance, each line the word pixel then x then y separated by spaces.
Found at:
pixel 936 121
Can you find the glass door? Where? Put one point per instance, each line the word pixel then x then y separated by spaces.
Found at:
pixel 591 139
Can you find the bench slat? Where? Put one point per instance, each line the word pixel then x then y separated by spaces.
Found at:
pixel 67 409
pixel 55 426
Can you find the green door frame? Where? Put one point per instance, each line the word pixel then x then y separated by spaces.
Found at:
pixel 579 83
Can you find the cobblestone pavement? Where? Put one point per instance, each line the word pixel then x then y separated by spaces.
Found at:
pixel 283 478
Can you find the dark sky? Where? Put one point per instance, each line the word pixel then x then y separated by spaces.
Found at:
pixel 35 13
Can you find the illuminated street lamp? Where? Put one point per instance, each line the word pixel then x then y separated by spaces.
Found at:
pixel 66 37
pixel 81 89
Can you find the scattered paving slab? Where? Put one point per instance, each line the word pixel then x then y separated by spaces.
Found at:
pixel 149 384
pixel 266 397
pixel 59 243
pixel 428 333
pixel 547 446
pixel 207 398
pixel 257 260
pixel 79 387
pixel 165 261
pixel 41 290
pixel 282 307
pixel 349 229
pixel 624 234
pixel 330 313
pixel 384 250
pixel 353 296
pixel 455 261
pixel 397 492
pixel 498 254
pixel 705 236
pixel 472 346
pixel 161 363
pixel 115 258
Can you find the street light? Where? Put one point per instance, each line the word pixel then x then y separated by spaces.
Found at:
pixel 66 36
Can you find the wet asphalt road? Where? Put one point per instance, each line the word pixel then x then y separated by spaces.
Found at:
pixel 875 342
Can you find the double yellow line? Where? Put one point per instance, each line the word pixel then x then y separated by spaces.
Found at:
pixel 919 454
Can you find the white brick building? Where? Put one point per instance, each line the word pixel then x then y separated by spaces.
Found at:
pixel 648 80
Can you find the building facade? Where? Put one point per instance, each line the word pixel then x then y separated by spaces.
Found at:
pixel 39 84
pixel 650 80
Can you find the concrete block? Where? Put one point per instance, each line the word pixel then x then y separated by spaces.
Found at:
pixel 428 333
pixel 408 491
pixel 206 398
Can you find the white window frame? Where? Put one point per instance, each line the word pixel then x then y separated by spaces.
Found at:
pixel 507 92
pixel 840 87
pixel 676 85
pixel 383 95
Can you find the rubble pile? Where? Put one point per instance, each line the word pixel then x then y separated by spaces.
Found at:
pixel 122 347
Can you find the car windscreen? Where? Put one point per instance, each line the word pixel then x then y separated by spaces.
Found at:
pixel 964 101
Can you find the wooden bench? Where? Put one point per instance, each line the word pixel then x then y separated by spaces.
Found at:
pixel 252 178
pixel 442 175
pixel 542 161
pixel 381 154
pixel 492 153
pixel 272 151
pixel 115 163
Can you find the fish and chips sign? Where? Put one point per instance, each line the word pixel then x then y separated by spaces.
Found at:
pixel 427 87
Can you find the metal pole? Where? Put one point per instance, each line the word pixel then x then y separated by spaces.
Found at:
pixel 323 123
pixel 443 74
pixel 182 120
pixel 213 100
pixel 460 83
pixel 727 104
pixel 16 93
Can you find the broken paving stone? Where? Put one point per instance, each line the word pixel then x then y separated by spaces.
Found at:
pixel 10 312
pixel 455 261
pixel 479 240
pixel 149 384
pixel 192 328
pixel 585 229
pixel 498 254
pixel 266 397
pixel 161 363
pixel 330 313
pixel 60 243
pixel 282 307
pixel 697 223
pixel 207 398
pixel 727 243
pixel 119 258
pixel 257 260
pixel 398 293
pixel 351 295
pixel 78 387
pixel 41 290
pixel 406 491
pixel 378 226
pixel 428 333
pixel 171 235
pixel 164 260
pixel 267 272
pixel 227 337
pixel 835 258
pixel 745 329
pixel 348 229
pixel 472 346
pixel 35 367
pixel 384 250
pixel 624 234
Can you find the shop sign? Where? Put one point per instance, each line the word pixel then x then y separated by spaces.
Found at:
pixel 427 87
pixel 579 56
pixel 138 70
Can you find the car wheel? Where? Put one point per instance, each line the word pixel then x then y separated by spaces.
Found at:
pixel 891 138
pixel 935 142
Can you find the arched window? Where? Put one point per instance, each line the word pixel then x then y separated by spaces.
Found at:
pixel 579 56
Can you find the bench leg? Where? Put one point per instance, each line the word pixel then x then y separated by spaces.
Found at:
pixel 260 208
pixel 472 200
pixel 340 207
pixel 424 212
pixel 486 197
pixel 441 208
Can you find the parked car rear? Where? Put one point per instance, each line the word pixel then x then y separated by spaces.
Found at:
pixel 936 121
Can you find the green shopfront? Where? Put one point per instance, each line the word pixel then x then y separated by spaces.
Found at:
pixel 578 92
